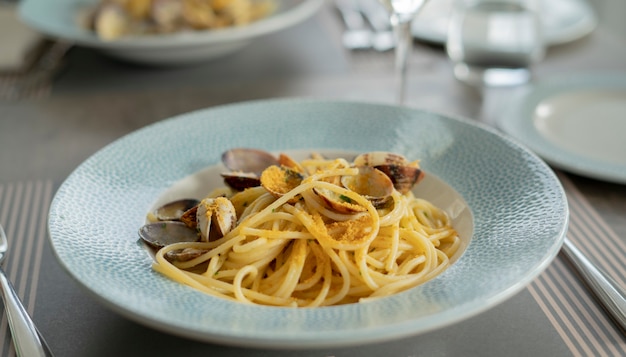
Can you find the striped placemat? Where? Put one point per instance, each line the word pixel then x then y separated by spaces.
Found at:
pixel 559 293
pixel 35 80
pixel 23 214
pixel 573 311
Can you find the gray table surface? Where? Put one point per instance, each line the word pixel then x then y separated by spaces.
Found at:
pixel 96 100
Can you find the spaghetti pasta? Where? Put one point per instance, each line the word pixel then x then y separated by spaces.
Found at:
pixel 296 250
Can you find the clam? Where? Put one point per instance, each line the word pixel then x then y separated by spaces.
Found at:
pixel 173 211
pixel 245 167
pixel 183 255
pixel 239 181
pixel 160 234
pixel 278 180
pixel 403 174
pixel 369 183
pixel 248 160
pixel 215 217
pixel 287 161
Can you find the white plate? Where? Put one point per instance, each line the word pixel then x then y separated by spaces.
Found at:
pixel 563 20
pixel 60 19
pixel 518 220
pixel 575 123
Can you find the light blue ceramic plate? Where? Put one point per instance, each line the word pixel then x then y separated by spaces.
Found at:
pixel 575 123
pixel 508 205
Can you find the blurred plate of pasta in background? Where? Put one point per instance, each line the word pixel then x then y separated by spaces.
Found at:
pixel 507 205
pixel 178 32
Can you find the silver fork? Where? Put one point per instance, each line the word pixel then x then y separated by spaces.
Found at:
pixel 357 35
pixel 610 293
pixel 377 15
pixel 26 338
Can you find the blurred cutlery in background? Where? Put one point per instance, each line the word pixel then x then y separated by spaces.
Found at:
pixel 377 15
pixel 357 36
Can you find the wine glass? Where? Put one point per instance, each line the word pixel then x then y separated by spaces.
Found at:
pixel 401 14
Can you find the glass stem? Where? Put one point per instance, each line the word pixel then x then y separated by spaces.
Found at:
pixel 404 46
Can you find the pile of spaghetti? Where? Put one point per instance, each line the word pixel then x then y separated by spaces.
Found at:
pixel 294 249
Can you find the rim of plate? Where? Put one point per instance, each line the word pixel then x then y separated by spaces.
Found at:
pixel 59 19
pixel 113 173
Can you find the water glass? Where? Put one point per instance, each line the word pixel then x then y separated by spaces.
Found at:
pixel 495 42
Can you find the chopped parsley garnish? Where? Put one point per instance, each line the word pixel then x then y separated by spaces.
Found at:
pixel 345 198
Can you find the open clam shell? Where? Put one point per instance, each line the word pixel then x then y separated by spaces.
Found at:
pixel 173 211
pixel 370 183
pixel 403 173
pixel 245 167
pixel 280 180
pixel 239 181
pixel 248 160
pixel 403 177
pixel 160 234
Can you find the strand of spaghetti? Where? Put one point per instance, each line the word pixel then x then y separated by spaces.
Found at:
pixel 315 163
pixel 258 280
pixel 295 264
pixel 347 257
pixel 375 263
pixel 411 264
pixel 383 279
pixel 396 213
pixel 320 299
pixel 256 206
pixel 241 247
pixel 215 264
pixel 453 247
pixel 224 289
pixel 275 217
pixel 364 270
pixel 399 285
pixel 242 200
pixel 427 214
pixel 445 262
pixel 183 277
pixel 430 252
pixel 241 274
pixel 272 249
pixel 440 234
pixel 276 277
pixel 315 204
pixel 345 276
pixel 393 249
pixel 273 234
pixel 321 263
pixel 212 251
